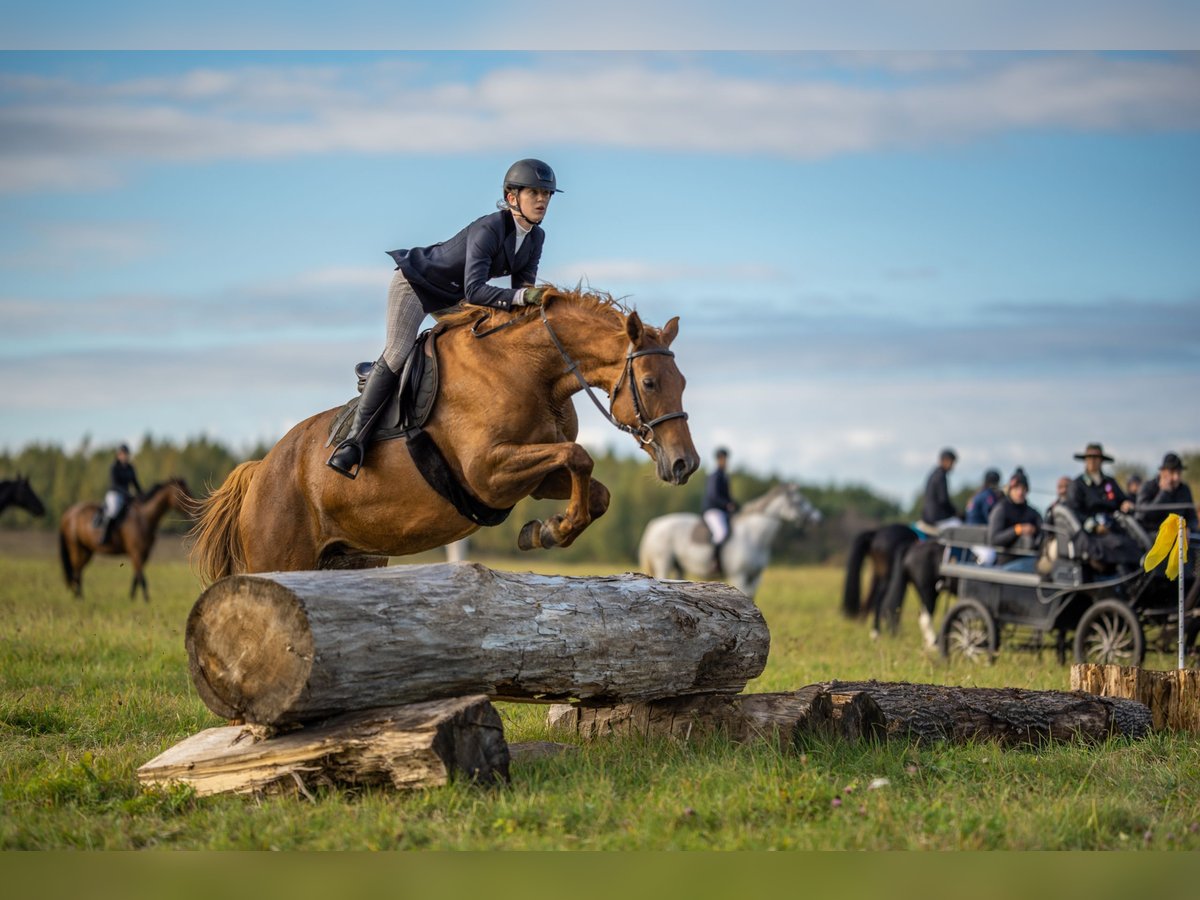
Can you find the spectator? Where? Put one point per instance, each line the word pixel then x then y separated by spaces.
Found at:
pixel 1168 490
pixel 1016 524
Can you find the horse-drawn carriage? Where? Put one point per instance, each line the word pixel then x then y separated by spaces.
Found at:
pixel 1109 614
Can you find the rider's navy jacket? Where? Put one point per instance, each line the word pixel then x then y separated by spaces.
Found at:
pixel 937 506
pixel 716 492
pixel 121 477
pixel 459 269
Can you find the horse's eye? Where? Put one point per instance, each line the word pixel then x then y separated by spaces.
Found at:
pixel 649 383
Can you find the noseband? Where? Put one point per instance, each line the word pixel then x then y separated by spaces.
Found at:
pixel 644 431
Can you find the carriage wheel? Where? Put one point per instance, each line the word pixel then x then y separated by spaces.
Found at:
pixel 968 632
pixel 1109 633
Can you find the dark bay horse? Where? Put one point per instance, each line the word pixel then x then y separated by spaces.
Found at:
pixel 899 557
pixel 18 492
pixel 79 538
pixel 505 422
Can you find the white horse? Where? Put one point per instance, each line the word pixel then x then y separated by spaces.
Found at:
pixel 669 548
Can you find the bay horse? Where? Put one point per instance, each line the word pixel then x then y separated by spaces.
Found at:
pixel 133 536
pixel 668 549
pixel 899 557
pixel 18 492
pixel 505 422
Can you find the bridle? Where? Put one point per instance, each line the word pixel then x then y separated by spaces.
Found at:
pixel 644 430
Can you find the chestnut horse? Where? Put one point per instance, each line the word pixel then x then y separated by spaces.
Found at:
pixel 18 492
pixel 79 538
pixel 504 421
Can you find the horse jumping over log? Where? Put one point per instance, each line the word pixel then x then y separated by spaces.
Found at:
pixel 899 557
pixel 669 549
pixel 18 492
pixel 505 423
pixel 133 536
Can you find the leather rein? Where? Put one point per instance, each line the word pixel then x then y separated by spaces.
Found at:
pixel 644 430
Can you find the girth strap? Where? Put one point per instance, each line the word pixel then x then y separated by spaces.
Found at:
pixel 432 465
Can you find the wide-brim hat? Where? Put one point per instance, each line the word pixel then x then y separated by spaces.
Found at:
pixel 1094 450
pixel 1173 462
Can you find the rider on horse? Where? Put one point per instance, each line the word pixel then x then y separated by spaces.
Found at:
pixel 121 477
pixel 719 505
pixel 429 279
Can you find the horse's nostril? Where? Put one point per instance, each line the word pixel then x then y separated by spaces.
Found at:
pixel 680 468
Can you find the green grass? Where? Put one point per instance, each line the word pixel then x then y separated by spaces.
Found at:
pixel 91 690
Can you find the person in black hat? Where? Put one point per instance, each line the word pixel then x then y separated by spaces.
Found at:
pixel 1096 498
pixel 1168 490
pixel 429 279
pixel 719 505
pixel 122 479
pixel 1014 523
pixel 937 511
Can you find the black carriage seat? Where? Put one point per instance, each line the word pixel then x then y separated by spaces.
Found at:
pixel 965 537
pixel 1062 522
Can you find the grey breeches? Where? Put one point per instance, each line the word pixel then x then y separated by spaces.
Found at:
pixel 404 317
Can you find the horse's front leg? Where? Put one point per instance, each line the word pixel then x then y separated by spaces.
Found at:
pixel 550 470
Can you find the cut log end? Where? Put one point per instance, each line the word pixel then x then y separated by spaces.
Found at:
pixel 251 659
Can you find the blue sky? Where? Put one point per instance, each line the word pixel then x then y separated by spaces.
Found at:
pixel 872 254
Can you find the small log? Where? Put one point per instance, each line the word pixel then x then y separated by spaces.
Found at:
pixel 415 746
pixel 294 647
pixel 857 717
pixel 785 718
pixel 1173 697
pixel 1011 716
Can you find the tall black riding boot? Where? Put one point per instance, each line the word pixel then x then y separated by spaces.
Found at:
pixel 718 568
pixel 381 384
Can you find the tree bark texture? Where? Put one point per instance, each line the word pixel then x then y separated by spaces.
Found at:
pixel 414 746
pixel 871 710
pixel 1173 697
pixel 784 718
pixel 1011 716
pixel 294 647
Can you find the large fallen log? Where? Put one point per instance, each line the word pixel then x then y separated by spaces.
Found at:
pixel 414 746
pixel 785 718
pixel 870 710
pixel 1011 716
pixel 291 647
pixel 1173 697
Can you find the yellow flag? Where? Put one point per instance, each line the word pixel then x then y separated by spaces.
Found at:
pixel 1171 534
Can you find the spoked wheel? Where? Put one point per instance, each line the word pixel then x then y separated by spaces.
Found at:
pixel 1110 634
pixel 968 632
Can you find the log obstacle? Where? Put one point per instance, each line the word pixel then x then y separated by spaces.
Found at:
pixel 1173 697
pixel 294 647
pixel 871 710
pixel 414 746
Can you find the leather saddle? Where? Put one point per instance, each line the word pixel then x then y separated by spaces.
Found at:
pixel 412 404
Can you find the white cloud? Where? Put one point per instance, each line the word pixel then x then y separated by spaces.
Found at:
pixel 646 103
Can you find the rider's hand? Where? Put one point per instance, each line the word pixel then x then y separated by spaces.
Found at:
pixel 1126 506
pixel 533 296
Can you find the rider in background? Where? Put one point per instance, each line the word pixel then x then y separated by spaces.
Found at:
pixel 979 508
pixel 121 477
pixel 429 279
pixel 1168 488
pixel 937 511
pixel 719 505
pixel 1014 523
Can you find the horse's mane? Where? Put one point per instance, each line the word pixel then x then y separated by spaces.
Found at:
pixel 759 504
pixel 586 300
pixel 160 486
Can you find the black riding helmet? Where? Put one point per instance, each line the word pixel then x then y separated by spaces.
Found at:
pixel 531 173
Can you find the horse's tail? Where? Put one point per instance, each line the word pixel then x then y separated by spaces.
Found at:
pixel 852 592
pixel 899 575
pixel 64 554
pixel 216 538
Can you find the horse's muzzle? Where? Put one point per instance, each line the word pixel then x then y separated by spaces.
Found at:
pixel 680 468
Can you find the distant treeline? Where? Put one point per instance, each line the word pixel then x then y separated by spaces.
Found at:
pixel 62 478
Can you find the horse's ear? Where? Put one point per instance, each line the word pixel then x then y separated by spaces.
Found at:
pixel 634 328
pixel 670 331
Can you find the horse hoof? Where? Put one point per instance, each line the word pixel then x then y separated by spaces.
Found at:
pixel 526 540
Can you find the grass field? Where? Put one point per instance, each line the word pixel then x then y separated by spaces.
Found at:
pixel 91 690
